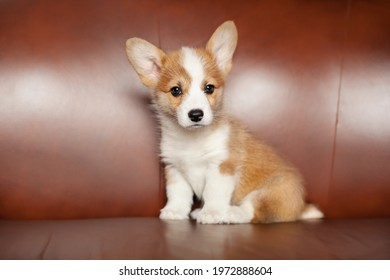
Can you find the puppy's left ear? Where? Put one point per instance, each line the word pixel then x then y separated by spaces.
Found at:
pixel 222 45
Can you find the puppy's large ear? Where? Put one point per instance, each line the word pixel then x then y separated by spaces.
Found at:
pixel 146 60
pixel 222 45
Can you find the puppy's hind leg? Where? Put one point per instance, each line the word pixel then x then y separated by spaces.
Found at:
pixel 280 199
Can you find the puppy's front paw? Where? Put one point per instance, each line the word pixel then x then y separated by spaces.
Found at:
pixel 172 214
pixel 210 217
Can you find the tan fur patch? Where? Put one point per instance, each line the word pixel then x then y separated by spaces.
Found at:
pixel 168 177
pixel 228 167
pixel 212 76
pixel 173 74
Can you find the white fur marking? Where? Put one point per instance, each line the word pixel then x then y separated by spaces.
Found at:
pixel 196 98
pixel 311 212
pixel 193 65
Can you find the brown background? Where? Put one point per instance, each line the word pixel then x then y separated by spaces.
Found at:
pixel 78 139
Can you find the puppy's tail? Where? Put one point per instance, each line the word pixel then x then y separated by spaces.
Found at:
pixel 311 212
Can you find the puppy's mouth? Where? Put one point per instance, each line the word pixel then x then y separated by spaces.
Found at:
pixel 195 126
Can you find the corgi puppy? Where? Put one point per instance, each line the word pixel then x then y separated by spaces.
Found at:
pixel 207 153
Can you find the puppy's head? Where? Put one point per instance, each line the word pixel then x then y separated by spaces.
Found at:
pixel 186 85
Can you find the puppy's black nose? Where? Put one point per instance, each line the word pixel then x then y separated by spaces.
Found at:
pixel 195 115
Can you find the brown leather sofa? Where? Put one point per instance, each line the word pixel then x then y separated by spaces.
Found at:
pixel 79 171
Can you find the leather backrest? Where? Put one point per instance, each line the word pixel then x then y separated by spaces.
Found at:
pixel 78 138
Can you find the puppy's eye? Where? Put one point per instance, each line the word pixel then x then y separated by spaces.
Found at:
pixel 176 91
pixel 209 89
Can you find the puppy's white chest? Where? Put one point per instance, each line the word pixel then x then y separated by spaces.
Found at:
pixel 192 153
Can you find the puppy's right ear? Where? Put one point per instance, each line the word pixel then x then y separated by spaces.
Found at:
pixel 146 60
